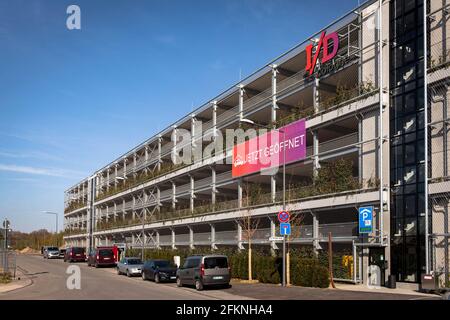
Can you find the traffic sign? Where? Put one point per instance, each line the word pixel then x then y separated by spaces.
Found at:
pixel 365 220
pixel 285 229
pixel 283 216
pixel 276 239
pixel 6 224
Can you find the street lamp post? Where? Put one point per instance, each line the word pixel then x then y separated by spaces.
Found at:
pixel 251 122
pixel 56 215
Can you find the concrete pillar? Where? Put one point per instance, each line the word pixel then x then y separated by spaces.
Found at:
pixel 316 96
pixel 174 196
pixel 159 152
pixel 316 235
pixel 115 174
pixel 123 209
pixel 191 237
pixel 173 239
pixel 241 101
pixel 273 233
pixel 174 148
pixel 239 193
pixel 213 187
pixel 192 195
pixel 125 168
pixel 239 237
pixel 316 163
pixel 107 213
pixel 214 120
pixel 213 237
pixel 132 208
pixel 107 179
pixel 134 163
pixel 115 211
pixel 158 243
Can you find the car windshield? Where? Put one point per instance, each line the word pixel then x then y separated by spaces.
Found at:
pixel 163 264
pixel 217 262
pixel 52 249
pixel 134 261
pixel 105 252
pixel 78 250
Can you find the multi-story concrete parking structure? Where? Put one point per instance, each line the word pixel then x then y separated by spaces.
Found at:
pixel 368 94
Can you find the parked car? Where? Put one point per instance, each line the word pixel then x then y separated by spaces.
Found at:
pixel 159 270
pixel 130 266
pixel 206 270
pixel 62 252
pixel 101 256
pixel 51 253
pixel 75 254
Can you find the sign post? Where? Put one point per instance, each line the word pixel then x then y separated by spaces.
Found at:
pixel 365 220
pixel 285 229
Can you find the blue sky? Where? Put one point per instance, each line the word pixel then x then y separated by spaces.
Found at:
pixel 73 100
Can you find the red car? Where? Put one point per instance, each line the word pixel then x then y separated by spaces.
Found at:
pixel 102 256
pixel 75 254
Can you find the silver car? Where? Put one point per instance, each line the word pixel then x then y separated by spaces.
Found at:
pixel 51 253
pixel 130 266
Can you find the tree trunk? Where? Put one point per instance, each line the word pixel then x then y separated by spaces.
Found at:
pixel 288 268
pixel 250 261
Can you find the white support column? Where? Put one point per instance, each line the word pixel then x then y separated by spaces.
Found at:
pixel 158 198
pixel 213 187
pixel 123 209
pixel 214 120
pixel 115 174
pixel 174 148
pixel 213 237
pixel 316 235
pixel 134 163
pixel 159 152
pixel 273 233
pixel 107 213
pixel 192 195
pixel 132 208
pixel 316 162
pixel 239 186
pixel 107 179
pixel 132 239
pixel 239 237
pixel 316 96
pixel 241 101
pixel 158 242
pixel 173 239
pixel 191 237
pixel 174 195
pixel 125 160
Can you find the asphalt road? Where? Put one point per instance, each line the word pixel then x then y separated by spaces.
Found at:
pixel 49 282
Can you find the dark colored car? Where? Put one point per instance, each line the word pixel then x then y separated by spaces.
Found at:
pixel 101 256
pixel 75 254
pixel 62 253
pixel 207 270
pixel 159 270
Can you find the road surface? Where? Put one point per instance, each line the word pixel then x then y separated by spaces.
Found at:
pixel 49 282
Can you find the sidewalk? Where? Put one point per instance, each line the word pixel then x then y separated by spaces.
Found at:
pixel 342 292
pixel 16 283
pixel 364 288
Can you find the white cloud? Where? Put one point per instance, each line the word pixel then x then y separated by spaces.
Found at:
pixel 53 172
pixel 30 154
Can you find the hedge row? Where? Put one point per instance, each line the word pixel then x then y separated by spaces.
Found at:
pixel 306 270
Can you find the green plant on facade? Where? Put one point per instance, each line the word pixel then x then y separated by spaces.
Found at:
pixel 139 179
pixel 74 205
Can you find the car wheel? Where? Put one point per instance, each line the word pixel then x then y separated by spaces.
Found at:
pixel 96 265
pixel 128 273
pixel 118 271
pixel 157 279
pixel 198 285
pixel 143 276
pixel 179 283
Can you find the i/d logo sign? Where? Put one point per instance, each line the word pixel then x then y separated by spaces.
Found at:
pixel 365 219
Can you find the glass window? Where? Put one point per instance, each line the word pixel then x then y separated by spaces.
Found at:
pixel 410 154
pixel 217 262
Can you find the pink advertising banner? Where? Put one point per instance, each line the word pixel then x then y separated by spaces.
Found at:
pixel 267 150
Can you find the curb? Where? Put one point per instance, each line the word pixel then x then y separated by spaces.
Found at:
pixel 26 283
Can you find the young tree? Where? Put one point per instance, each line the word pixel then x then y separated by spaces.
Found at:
pixel 249 226
pixel 296 221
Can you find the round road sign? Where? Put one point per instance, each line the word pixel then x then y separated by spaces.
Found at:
pixel 283 216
